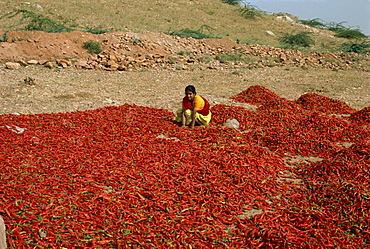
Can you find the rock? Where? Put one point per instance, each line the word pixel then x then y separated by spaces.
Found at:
pixel 38 7
pixel 2 234
pixel 93 63
pixel 23 63
pixel 111 63
pixel 121 68
pixel 109 69
pixel 49 64
pixel 270 32
pixel 64 63
pixel 125 63
pixel 81 63
pixel 232 123
pixel 12 65
pixel 29 81
pixel 42 61
pixel 113 58
pixel 282 57
pixel 286 16
pixel 32 62
pixel 115 65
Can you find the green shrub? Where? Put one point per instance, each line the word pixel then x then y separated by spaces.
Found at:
pixel 249 59
pixel 228 57
pixel 302 39
pixel 335 27
pixel 350 33
pixel 232 2
pixel 32 21
pixel 340 30
pixel 172 60
pixel 186 53
pixel 4 37
pixel 317 23
pixel 235 58
pixel 97 30
pixel 250 12
pixel 92 47
pixel 205 58
pixel 38 22
pixel 197 34
pixel 135 40
pixel 360 48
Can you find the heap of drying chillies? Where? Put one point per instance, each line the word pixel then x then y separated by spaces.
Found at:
pixel 128 176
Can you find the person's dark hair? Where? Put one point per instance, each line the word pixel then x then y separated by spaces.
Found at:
pixel 191 89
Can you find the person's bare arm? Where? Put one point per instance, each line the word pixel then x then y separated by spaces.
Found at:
pixel 183 118
pixel 193 118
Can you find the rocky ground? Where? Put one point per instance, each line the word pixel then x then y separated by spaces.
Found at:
pixel 131 51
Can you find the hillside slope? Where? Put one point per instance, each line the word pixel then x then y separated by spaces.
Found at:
pixel 210 16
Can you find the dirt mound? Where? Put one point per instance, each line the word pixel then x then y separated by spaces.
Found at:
pixel 130 51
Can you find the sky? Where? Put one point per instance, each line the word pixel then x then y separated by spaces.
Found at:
pixel 355 13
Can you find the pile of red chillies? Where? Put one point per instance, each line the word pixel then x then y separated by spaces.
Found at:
pixel 128 176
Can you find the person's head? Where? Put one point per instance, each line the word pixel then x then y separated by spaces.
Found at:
pixel 190 92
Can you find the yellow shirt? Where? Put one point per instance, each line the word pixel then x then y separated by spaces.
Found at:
pixel 198 102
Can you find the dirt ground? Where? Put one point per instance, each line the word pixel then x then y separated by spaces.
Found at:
pixel 69 89
pixel 72 89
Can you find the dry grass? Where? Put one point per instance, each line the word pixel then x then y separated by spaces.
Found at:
pixel 164 15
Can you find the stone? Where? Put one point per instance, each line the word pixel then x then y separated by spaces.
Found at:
pixel 109 69
pixel 121 68
pixel 81 63
pixel 93 63
pixel 115 65
pixel 29 81
pixel 42 61
pixel 49 64
pixel 2 234
pixel 113 58
pixel 64 63
pixel 286 16
pixel 87 66
pixel 111 63
pixel 232 123
pixel 38 7
pixel 282 57
pixel 23 63
pixel 32 62
pixel 12 65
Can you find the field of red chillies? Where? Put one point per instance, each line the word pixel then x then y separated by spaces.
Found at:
pixel 128 176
